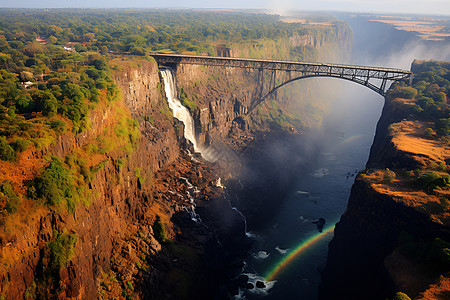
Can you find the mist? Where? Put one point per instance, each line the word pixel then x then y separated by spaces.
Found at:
pixel 380 44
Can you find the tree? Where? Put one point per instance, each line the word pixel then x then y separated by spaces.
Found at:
pixel 33 49
pixel 54 183
pixel 6 151
pixel 52 39
pixel 48 104
pixel 443 126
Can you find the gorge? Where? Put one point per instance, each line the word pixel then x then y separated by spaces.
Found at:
pixel 175 189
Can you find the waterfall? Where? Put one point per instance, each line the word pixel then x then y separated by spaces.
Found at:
pixel 182 113
pixel 179 111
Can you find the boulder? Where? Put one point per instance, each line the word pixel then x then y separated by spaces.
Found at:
pixel 260 284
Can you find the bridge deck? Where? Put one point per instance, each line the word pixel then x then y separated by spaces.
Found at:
pixel 297 70
pixel 310 67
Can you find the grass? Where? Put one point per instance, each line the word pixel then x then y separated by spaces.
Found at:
pixel 159 231
pixel 189 103
pixel 123 137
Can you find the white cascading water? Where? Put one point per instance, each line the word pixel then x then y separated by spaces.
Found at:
pixel 182 113
pixel 179 111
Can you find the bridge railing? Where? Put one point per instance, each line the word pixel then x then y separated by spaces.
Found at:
pixel 289 66
pixel 358 74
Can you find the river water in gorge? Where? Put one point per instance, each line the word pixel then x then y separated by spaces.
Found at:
pixel 321 190
pixel 288 250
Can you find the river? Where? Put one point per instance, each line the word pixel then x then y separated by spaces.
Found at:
pixel 279 255
pixel 321 190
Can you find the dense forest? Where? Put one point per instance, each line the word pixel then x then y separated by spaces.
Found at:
pixel 140 31
pixel 54 64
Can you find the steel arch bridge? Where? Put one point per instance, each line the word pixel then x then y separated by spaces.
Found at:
pixel 296 70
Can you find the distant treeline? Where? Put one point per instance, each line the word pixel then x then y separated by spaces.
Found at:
pixel 145 30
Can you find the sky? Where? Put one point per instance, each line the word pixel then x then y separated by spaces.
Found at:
pixel 283 7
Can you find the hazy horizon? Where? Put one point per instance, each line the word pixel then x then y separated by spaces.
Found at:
pixel 283 7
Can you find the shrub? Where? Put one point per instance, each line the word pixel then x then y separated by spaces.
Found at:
pixel 21 145
pixel 186 102
pixel 57 124
pixel 12 111
pixel 158 230
pixel 401 296
pixel 429 133
pixel 130 285
pixel 61 249
pixel 432 180
pixel 30 292
pixel 9 197
pixel 55 184
pixel 443 127
pixel 440 252
pixel 388 176
pixel 140 178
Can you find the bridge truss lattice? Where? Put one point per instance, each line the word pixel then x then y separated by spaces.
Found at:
pixel 375 78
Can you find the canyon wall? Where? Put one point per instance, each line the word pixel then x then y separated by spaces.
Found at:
pixel 225 97
pixel 384 241
pixel 248 135
pixel 119 209
pixel 109 243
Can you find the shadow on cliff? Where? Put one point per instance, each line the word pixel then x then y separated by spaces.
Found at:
pixel 203 257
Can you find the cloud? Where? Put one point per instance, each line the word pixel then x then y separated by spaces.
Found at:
pixel 281 7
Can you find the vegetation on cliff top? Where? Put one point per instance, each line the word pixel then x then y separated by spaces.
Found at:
pixel 430 92
pixel 419 174
pixel 47 89
pixel 424 132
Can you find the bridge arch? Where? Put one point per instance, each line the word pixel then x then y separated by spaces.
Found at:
pixel 357 74
pixel 380 90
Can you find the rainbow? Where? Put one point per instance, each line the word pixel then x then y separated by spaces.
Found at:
pixel 349 140
pixel 299 249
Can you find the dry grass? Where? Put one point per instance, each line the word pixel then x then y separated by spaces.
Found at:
pixel 411 139
pixel 428 30
pixel 26 167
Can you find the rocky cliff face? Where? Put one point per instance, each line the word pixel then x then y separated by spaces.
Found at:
pixel 114 232
pixel 388 221
pixel 117 252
